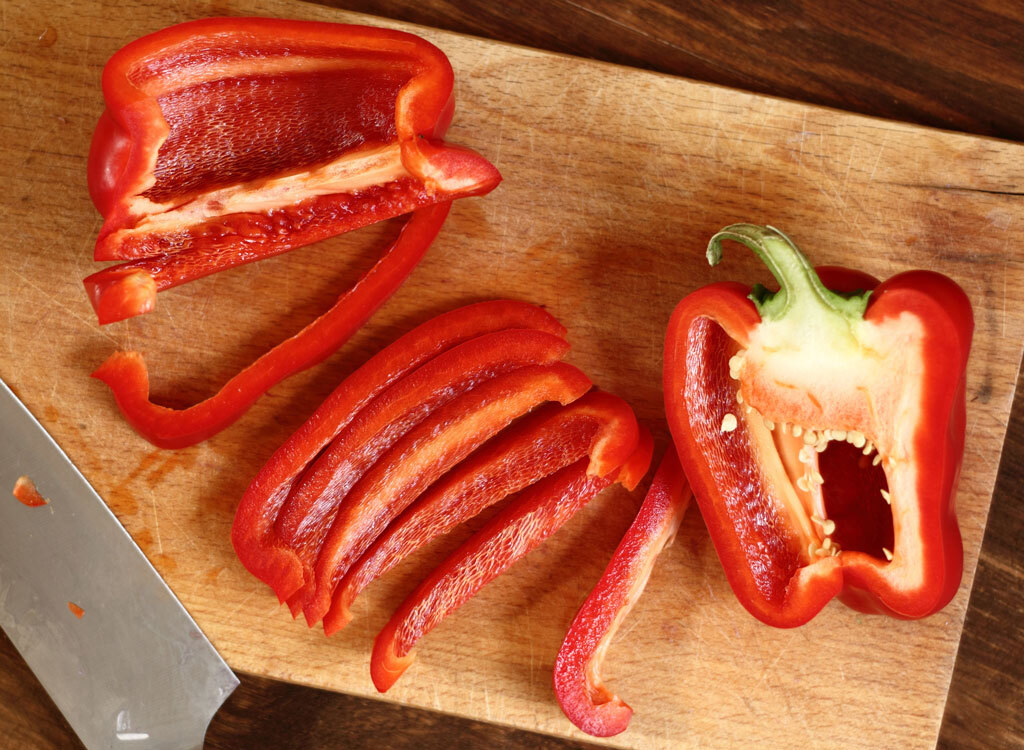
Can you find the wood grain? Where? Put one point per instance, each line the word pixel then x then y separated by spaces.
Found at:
pixel 532 142
pixel 953 65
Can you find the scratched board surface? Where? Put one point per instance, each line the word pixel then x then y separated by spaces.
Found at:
pixel 614 180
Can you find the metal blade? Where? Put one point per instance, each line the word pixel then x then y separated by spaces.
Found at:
pixel 134 672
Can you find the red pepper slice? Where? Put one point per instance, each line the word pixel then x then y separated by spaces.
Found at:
pixel 423 455
pixel 126 374
pixel 307 514
pixel 227 140
pixel 598 425
pixel 252 533
pixel 533 516
pixel 584 698
pixel 798 509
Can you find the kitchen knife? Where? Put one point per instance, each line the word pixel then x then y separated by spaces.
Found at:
pixel 130 671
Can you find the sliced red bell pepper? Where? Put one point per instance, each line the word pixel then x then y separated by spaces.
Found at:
pixel 252 533
pixel 598 425
pixel 423 455
pixel 227 140
pixel 584 698
pixel 531 518
pixel 823 432
pixel 126 374
pixel 307 514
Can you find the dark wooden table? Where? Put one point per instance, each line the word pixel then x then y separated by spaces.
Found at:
pixel 950 65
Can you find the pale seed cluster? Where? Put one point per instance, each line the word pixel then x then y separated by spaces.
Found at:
pixel 815 441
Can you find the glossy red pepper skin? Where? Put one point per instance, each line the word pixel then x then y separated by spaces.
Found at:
pixel 422 456
pixel 584 698
pixel 598 425
pixel 126 374
pixel 520 527
pixel 253 533
pixel 227 140
pixel 307 514
pixel 761 548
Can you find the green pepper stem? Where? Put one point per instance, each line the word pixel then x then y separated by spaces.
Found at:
pixel 800 289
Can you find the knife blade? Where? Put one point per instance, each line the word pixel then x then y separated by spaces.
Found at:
pixel 131 671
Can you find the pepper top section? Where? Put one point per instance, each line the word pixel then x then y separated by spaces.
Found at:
pixel 287 124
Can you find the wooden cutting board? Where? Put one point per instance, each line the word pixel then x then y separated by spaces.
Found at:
pixel 614 180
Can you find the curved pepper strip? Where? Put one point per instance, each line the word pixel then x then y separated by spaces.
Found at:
pixel 798 510
pixel 531 518
pixel 307 514
pixel 227 140
pixel 598 425
pixel 126 374
pixel 584 698
pixel 252 533
pixel 423 455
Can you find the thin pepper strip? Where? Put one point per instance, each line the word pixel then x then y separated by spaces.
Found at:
pixel 228 140
pixel 777 401
pixel 306 516
pixel 598 425
pixel 422 456
pixel 520 527
pixel 252 533
pixel 127 376
pixel 581 693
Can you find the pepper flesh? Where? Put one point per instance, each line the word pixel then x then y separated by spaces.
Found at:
pixel 306 516
pixel 520 527
pixel 882 370
pixel 127 376
pixel 227 140
pixel 422 456
pixel 584 698
pixel 252 533
pixel 598 425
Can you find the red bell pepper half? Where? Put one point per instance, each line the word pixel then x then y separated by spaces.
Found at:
pixel 422 456
pixel 534 515
pixel 584 698
pixel 253 534
pixel 598 425
pixel 127 376
pixel 822 431
pixel 227 140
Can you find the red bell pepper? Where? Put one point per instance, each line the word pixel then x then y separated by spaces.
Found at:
pixel 307 514
pixel 422 456
pixel 533 516
pixel 584 698
pixel 126 374
pixel 822 432
pixel 227 140
pixel 598 425
pixel 253 534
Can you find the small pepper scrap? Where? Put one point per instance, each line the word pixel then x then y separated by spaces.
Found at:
pixel 822 430
pixel 584 698
pixel 448 420
pixel 27 494
pixel 228 140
